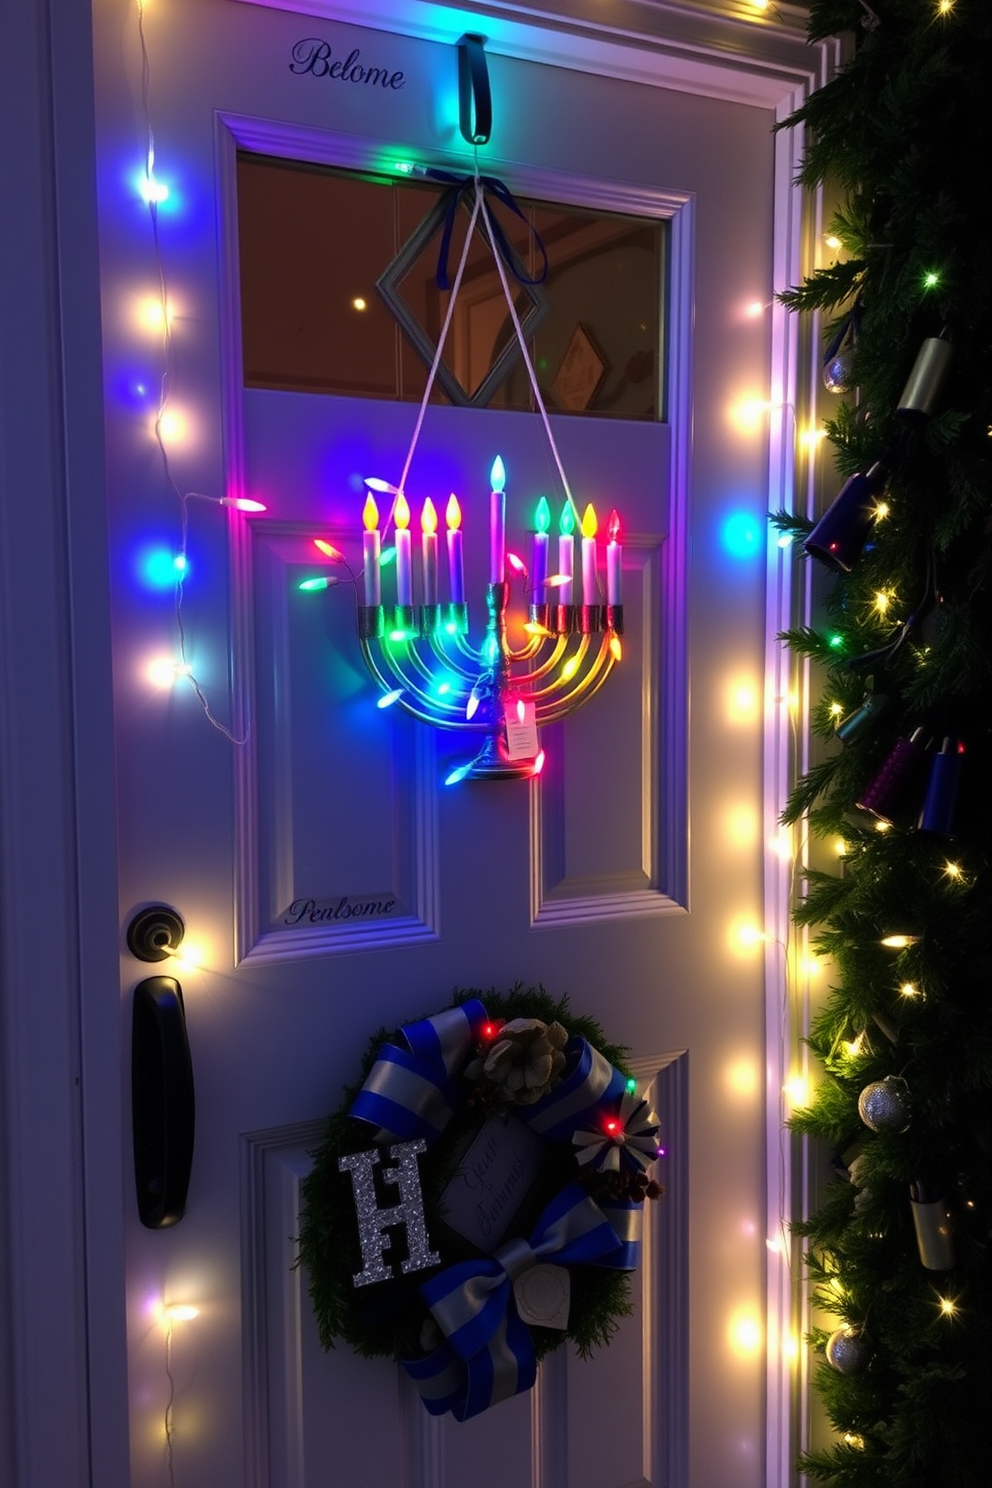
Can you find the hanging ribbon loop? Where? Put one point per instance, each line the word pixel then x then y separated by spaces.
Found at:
pixel 459 187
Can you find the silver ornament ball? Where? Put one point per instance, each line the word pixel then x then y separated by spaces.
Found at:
pixel 884 1105
pixel 837 372
pixel 847 1351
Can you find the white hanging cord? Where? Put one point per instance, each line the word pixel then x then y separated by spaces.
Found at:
pixel 524 353
pixel 441 339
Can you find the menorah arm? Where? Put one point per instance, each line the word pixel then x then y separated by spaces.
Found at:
pixel 586 687
pixel 546 666
pixel 455 704
pixel 454 663
pixel 412 700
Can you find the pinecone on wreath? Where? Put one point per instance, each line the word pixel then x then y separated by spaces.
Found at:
pixel 524 1061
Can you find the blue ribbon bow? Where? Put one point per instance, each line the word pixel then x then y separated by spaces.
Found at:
pixel 457 188
pixel 488 1353
pixel 412 1088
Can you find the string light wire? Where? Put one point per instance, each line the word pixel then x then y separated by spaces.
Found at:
pixel 150 195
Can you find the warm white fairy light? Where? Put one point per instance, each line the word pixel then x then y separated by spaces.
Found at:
pixel 909 989
pixel 745 1334
pixel 797 1091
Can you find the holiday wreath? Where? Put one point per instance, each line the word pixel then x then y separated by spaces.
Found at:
pixel 514 1137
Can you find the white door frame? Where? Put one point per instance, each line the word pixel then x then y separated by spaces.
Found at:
pixel 63 1133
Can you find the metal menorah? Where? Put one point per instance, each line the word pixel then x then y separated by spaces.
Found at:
pixel 422 659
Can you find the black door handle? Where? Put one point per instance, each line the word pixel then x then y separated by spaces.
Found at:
pixel 162 1104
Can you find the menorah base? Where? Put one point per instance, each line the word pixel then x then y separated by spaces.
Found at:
pixel 491 764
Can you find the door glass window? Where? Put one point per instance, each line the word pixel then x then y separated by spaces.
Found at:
pixel 315 240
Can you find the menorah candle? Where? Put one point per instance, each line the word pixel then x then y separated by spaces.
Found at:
pixel 456 570
pixel 370 552
pixel 497 522
pixel 589 526
pixel 539 551
pixel 428 551
pixel 613 568
pixel 404 570
pixel 566 552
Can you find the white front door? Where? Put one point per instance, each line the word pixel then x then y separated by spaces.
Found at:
pixel 307 795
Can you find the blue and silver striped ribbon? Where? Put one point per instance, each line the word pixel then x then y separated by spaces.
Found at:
pixel 505 1367
pixel 411 1090
pixel 470 1299
pixel 589 1082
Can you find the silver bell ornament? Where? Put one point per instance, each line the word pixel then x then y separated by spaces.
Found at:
pixel 847 1351
pixel 884 1105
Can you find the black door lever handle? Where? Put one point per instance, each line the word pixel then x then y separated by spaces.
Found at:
pixel 162 1104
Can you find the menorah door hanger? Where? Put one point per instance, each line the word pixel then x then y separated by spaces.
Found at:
pixel 416 644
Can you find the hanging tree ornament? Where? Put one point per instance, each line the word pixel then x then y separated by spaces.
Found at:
pixel 839 355
pixel 884 1105
pixel 926 380
pixel 842 531
pixel 939 810
pixel 847 1351
pixel 863 717
pixel 932 1224
pixel 897 780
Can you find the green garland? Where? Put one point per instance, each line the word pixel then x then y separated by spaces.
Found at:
pixel 329 1246
pixel 903 131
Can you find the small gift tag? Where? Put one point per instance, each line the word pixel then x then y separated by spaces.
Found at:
pixel 542 1295
pixel 521 730
pixel 493 1179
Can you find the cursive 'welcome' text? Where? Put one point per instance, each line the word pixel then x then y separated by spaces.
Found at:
pixel 315 56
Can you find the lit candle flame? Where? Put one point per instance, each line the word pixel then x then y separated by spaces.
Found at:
pixel 401 511
pixel 453 513
pixel 428 517
pixel 370 514
pixel 589 524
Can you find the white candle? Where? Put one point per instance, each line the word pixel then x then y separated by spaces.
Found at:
pixel 539 552
pixel 497 523
pixel 428 551
pixel 404 569
pixel 613 562
pixel 456 570
pixel 371 553
pixel 566 554
pixel 589 585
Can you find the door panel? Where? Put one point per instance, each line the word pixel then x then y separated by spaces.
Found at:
pixel 580 881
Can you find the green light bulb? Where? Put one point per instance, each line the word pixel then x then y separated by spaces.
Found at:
pixel 566 523
pixel 542 517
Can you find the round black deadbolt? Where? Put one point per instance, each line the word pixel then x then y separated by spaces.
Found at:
pixel 155 933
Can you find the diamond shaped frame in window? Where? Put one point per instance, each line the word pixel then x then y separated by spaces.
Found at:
pixel 388 286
